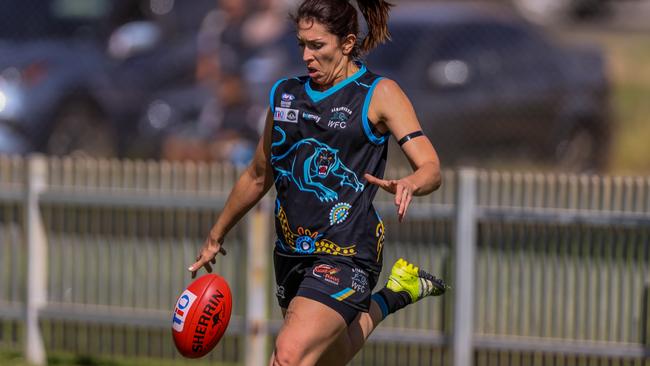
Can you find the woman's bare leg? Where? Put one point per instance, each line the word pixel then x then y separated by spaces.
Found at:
pixel 308 331
pixel 351 341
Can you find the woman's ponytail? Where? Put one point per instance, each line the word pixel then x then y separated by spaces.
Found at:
pixel 376 14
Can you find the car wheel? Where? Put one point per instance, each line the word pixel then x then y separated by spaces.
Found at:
pixel 80 129
pixel 580 151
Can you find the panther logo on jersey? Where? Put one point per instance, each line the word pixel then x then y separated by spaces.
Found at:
pixel 311 174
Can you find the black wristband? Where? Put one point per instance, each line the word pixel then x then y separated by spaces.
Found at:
pixel 409 137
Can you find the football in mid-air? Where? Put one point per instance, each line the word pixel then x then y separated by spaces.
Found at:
pixel 201 315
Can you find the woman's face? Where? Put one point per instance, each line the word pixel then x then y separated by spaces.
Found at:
pixel 321 52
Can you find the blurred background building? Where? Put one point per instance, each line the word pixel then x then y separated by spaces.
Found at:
pixel 547 100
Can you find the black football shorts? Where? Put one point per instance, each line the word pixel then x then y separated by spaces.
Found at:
pixel 337 282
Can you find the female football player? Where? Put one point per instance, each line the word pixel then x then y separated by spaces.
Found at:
pixel 324 148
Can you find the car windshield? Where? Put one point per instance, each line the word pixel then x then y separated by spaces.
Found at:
pixel 40 19
pixel 404 38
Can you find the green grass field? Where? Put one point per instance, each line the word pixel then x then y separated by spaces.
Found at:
pixel 15 358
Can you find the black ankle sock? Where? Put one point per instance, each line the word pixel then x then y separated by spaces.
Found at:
pixel 390 301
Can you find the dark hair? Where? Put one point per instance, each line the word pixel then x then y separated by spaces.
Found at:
pixel 340 19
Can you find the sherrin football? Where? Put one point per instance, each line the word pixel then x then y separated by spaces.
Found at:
pixel 201 315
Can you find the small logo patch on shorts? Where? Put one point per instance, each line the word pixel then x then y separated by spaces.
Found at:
pixel 344 294
pixel 280 292
pixel 327 272
pixel 359 280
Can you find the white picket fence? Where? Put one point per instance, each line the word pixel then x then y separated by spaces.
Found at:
pixel 93 254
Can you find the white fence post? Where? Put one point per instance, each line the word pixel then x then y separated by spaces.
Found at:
pixel 465 251
pixel 257 274
pixel 36 258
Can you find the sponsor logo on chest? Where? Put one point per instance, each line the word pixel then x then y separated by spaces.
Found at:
pixel 286 115
pixel 340 117
pixel 287 99
pixel 311 117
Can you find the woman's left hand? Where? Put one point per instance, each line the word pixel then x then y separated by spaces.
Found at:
pixel 403 190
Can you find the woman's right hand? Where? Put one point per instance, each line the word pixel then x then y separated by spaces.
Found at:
pixel 244 195
pixel 207 255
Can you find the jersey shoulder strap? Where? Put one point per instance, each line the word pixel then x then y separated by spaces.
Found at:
pixel 284 85
pixel 368 81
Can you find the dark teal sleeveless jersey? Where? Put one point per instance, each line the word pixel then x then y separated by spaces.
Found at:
pixel 322 145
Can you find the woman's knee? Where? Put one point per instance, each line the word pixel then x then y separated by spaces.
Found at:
pixel 287 352
pixel 309 329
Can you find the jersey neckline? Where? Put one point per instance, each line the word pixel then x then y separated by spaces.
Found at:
pixel 316 96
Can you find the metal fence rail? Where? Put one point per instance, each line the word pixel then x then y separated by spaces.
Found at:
pixel 545 269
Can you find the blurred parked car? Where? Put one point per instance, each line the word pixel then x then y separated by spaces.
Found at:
pixel 558 11
pixel 43 84
pixel 75 76
pixel 487 84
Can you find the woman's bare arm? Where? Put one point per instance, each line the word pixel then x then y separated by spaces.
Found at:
pixel 251 186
